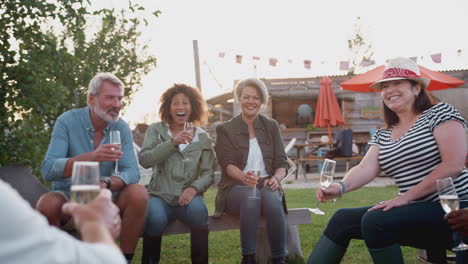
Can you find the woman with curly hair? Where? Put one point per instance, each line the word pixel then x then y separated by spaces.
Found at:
pixel 182 163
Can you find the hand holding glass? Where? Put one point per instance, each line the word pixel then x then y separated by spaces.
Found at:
pixel 85 181
pixel 256 175
pixel 326 179
pixel 450 202
pixel 115 139
pixel 189 127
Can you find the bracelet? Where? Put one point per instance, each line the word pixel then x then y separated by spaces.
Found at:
pixel 342 187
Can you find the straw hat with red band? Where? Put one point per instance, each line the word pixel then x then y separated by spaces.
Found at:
pixel 399 69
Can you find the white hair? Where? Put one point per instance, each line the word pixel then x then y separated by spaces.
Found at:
pixel 95 83
pixel 255 83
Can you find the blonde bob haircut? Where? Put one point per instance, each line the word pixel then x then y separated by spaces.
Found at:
pixel 254 83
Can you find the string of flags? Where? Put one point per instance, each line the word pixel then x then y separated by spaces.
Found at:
pixel 343 65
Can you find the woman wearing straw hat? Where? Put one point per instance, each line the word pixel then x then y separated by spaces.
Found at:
pixel 251 154
pixel 420 143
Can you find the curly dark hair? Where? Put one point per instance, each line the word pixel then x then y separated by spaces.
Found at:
pixel 199 108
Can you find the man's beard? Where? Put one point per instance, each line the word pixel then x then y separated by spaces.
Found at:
pixel 105 116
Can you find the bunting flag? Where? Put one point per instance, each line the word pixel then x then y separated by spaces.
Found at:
pixel 344 65
pixel 239 59
pixel 255 58
pixel 415 59
pixel 273 62
pixel 290 61
pixel 367 63
pixel 437 58
pixel 307 64
pixel 221 54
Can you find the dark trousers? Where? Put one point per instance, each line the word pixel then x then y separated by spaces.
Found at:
pixel 419 224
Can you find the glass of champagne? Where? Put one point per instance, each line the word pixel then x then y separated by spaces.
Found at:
pixel 115 139
pixel 256 169
pixel 326 179
pixel 189 127
pixel 85 181
pixel 450 202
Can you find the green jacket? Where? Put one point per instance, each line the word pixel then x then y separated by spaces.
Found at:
pixel 175 170
pixel 232 147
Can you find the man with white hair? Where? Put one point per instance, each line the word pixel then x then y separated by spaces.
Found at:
pixel 84 135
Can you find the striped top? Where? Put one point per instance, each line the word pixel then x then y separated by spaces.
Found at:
pixel 413 156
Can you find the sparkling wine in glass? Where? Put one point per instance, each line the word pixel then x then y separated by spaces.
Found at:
pixel 189 127
pixel 326 179
pixel 450 202
pixel 256 169
pixel 85 181
pixel 115 139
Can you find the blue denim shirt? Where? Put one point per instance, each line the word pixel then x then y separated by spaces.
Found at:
pixel 73 135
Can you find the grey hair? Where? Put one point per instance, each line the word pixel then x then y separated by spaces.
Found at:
pixel 95 83
pixel 255 83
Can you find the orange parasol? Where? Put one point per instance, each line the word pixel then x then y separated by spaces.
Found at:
pixel 328 112
pixel 362 82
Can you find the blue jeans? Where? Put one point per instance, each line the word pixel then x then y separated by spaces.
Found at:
pixel 418 224
pixel 160 214
pixel 270 206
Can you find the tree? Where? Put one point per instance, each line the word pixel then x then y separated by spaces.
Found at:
pixel 45 70
pixel 361 51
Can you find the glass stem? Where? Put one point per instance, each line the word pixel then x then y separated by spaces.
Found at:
pixel 116 170
pixel 318 204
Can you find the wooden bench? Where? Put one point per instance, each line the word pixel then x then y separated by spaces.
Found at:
pixel 302 161
pixel 294 218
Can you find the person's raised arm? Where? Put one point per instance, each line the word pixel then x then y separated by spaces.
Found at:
pixel 451 141
pixel 154 150
pixel 356 177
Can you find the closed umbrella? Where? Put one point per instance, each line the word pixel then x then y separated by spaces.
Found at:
pixel 362 82
pixel 328 112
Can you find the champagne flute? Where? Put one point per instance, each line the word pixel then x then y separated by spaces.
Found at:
pixel 115 139
pixel 256 175
pixel 85 181
pixel 189 127
pixel 450 202
pixel 326 179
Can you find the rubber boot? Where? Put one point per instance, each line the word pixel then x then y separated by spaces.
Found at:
pixel 151 250
pixel 249 259
pixel 199 244
pixel 326 252
pixel 387 255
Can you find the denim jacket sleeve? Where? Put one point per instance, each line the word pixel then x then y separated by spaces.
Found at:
pixel 128 165
pixel 55 158
pixel 154 150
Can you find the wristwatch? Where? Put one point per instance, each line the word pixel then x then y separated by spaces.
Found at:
pixel 108 182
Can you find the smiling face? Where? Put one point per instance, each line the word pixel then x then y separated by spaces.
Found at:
pixel 399 95
pixel 250 101
pixel 180 109
pixel 108 102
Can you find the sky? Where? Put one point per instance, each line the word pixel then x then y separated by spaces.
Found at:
pixel 287 30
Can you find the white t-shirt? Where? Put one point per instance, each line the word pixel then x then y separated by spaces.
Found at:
pixel 255 156
pixel 26 237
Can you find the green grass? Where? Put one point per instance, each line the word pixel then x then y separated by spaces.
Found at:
pixel 225 246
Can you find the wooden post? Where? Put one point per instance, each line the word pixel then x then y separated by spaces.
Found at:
pixel 197 64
